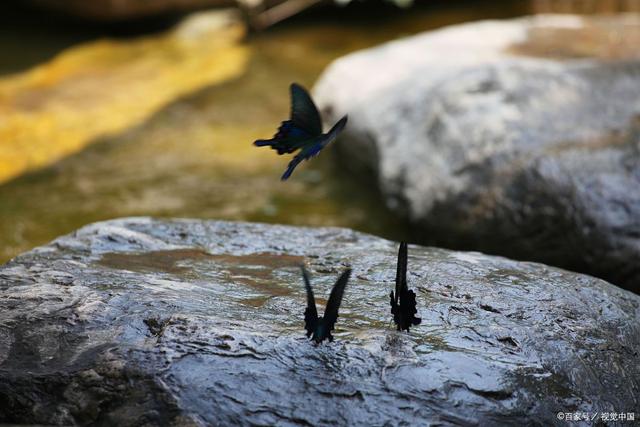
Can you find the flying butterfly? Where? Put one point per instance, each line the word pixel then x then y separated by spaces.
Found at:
pixel 403 302
pixel 303 131
pixel 319 328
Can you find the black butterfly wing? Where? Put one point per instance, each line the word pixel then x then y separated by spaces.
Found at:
pixel 304 113
pixel 403 303
pixel 413 310
pixel 395 308
pixel 292 165
pixel 401 271
pixel 313 147
pixel 310 313
pixel 287 139
pixel 302 127
pixel 335 299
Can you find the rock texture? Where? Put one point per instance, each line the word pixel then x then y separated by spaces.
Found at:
pixel 516 137
pixel 184 322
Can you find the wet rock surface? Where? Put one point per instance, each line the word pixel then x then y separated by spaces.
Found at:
pixel 186 322
pixel 519 137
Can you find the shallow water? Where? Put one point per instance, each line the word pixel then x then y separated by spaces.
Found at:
pixel 194 158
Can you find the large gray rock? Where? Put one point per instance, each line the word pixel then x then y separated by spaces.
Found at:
pixel 482 142
pixel 180 322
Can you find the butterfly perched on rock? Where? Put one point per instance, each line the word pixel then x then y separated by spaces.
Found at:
pixel 403 302
pixel 319 328
pixel 303 131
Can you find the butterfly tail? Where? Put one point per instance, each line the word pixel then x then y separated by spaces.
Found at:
pixel 292 165
pixel 310 313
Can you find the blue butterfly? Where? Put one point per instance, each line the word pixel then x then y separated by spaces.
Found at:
pixel 303 131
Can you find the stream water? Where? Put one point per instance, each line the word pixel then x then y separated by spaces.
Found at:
pixel 194 158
